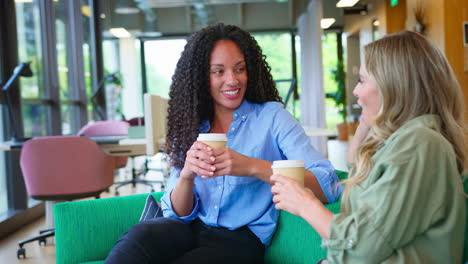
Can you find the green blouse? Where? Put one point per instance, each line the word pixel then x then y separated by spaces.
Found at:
pixel 411 208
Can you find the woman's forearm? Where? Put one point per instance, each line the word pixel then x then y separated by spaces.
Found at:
pixel 311 182
pixel 318 216
pixel 182 197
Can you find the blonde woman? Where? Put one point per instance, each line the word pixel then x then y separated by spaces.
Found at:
pixel 403 201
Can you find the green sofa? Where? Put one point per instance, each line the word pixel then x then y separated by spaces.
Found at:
pixel 85 231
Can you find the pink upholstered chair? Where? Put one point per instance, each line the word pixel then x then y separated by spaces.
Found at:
pixel 61 168
pixel 107 128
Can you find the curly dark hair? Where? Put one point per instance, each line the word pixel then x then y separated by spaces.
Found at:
pixel 190 100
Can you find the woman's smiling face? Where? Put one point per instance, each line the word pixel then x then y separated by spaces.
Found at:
pixel 228 75
pixel 368 97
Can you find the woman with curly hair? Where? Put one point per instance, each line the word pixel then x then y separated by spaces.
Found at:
pixel 404 199
pixel 218 207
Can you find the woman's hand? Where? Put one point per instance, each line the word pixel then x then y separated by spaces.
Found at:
pixel 361 133
pixel 230 162
pixel 199 161
pixel 290 196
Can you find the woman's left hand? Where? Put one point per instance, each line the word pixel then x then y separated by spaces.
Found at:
pixel 230 162
pixel 290 196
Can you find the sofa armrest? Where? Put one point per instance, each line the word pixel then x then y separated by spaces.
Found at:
pixel 87 230
pixel 295 241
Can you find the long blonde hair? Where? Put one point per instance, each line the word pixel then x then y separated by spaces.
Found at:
pixel 414 78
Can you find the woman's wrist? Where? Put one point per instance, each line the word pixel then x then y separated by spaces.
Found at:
pixel 260 169
pixel 317 215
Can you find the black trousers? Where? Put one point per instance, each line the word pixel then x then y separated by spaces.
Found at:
pixel 166 240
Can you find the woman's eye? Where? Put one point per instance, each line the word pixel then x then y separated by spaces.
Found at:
pixel 359 81
pixel 216 71
pixel 242 69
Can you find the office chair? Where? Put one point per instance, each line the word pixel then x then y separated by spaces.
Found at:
pixel 144 168
pixel 63 168
pixel 107 128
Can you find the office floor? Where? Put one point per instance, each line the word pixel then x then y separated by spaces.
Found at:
pixel 46 254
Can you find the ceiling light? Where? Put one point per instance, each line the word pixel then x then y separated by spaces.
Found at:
pixel 125 7
pixel 326 22
pixel 120 32
pixel 376 23
pixel 86 11
pixel 346 3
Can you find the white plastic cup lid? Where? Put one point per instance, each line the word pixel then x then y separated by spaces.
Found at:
pixel 288 164
pixel 211 137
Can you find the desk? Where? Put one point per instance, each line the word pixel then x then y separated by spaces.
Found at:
pixel 111 145
pixel 317 132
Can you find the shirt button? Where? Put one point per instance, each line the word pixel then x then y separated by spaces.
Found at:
pixel 243 117
pixel 349 244
pixel 235 114
pixel 232 129
pixel 215 207
pixel 220 187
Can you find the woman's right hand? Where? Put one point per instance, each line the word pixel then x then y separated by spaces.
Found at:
pixel 199 161
pixel 361 133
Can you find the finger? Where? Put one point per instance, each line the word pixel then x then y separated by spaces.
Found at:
pixel 202 146
pixel 201 164
pixel 278 206
pixel 275 189
pixel 202 155
pixel 279 178
pixel 276 199
pixel 220 151
pixel 200 171
pixel 225 171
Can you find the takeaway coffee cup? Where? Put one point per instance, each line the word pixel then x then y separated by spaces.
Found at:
pixel 213 140
pixel 293 169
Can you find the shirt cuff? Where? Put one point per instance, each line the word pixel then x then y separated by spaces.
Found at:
pixel 168 211
pixel 338 242
pixel 329 182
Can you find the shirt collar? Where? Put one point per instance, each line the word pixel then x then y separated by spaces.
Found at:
pixel 242 112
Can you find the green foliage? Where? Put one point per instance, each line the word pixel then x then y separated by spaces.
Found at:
pixel 339 96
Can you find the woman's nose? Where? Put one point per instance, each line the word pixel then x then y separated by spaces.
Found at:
pixel 232 79
pixel 355 91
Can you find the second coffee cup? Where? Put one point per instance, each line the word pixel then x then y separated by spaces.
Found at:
pixel 213 140
pixel 293 169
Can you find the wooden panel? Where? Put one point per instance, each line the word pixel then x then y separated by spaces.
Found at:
pixel 396 16
pixel 456 12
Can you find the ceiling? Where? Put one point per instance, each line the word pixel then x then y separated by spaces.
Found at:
pixel 181 17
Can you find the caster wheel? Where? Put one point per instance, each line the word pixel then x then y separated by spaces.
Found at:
pixel 117 193
pixel 21 252
pixel 152 190
pixel 42 242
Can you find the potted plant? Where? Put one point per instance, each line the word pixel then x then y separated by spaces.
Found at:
pixel 339 97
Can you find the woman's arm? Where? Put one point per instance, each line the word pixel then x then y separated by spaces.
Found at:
pixel 199 161
pixel 291 197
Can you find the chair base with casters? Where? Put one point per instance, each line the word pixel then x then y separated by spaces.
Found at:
pixel 43 234
pixel 137 172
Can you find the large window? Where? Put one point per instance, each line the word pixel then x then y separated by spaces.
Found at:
pixel 330 62
pixel 29 50
pixel 161 57
pixel 277 49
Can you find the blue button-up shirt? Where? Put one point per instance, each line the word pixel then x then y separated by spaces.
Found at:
pixel 265 131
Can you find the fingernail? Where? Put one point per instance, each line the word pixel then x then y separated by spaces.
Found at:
pixel 212 158
pixel 204 177
pixel 213 168
pixel 211 173
pixel 209 149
